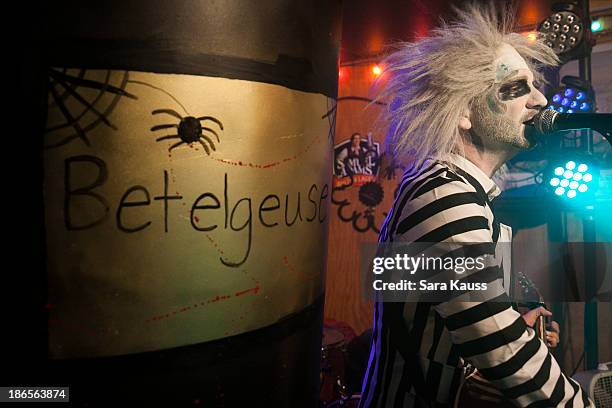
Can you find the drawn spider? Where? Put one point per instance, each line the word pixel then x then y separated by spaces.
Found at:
pixel 189 130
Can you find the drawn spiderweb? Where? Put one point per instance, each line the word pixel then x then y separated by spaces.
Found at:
pixel 80 100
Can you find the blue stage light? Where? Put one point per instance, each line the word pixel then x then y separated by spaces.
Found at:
pixel 584 106
pixel 556 98
pixel 569 92
pixel 596 26
pixel 580 95
pixel 572 181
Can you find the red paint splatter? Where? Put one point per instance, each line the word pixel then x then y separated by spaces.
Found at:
pixel 217 298
pixel 196 219
pixel 254 290
pixel 270 164
pixel 301 275
pixel 212 241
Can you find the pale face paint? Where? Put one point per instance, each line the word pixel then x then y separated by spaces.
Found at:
pixel 498 119
pixel 507 60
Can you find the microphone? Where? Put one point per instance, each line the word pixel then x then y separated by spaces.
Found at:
pixel 548 121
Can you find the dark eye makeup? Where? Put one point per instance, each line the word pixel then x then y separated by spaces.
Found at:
pixel 514 89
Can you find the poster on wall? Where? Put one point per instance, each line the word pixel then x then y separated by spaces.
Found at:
pixel 364 174
pixel 356 160
pixel 179 209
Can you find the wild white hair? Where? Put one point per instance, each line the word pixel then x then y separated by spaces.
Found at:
pixel 431 83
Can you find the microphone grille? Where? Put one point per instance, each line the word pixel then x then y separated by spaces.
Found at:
pixel 544 121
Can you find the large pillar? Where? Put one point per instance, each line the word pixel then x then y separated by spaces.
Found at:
pixel 187 159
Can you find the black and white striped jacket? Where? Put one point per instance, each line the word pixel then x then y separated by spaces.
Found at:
pixel 418 349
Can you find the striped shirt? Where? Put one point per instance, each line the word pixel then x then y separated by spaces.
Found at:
pixel 418 350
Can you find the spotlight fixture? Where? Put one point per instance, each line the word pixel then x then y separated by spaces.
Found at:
pixel 565 32
pixel 573 180
pixel 573 96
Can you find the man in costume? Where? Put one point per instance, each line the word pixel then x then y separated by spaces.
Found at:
pixel 458 103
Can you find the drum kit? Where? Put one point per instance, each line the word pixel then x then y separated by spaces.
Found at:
pixel 335 391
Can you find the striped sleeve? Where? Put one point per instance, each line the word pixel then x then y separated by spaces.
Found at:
pixel 490 335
